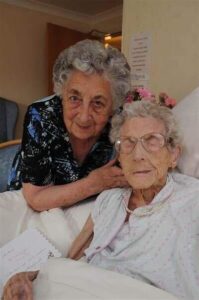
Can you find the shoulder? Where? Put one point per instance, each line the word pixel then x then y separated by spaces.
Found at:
pixel 45 112
pixel 48 105
pixel 185 192
pixel 108 201
pixel 44 121
pixel 184 183
pixel 185 202
pixel 106 196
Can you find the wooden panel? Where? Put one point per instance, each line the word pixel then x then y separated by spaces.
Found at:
pixel 59 38
pixel 10 143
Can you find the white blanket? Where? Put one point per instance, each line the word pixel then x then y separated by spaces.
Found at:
pixel 64 279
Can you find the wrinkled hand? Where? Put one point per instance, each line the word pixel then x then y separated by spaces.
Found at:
pixel 108 176
pixel 19 286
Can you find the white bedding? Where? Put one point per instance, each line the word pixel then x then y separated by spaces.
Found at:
pixel 63 278
pixel 60 226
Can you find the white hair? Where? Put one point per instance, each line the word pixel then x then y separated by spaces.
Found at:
pixel 147 109
pixel 90 56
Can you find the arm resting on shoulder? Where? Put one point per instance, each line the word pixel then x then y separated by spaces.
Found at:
pixel 42 198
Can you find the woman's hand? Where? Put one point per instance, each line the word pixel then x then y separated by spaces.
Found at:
pixel 108 176
pixel 19 286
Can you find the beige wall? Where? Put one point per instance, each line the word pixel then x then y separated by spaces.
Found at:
pixel 23 69
pixel 23 65
pixel 113 24
pixel 174 27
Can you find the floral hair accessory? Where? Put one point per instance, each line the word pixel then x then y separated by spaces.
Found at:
pixel 167 101
pixel 138 94
pixel 143 94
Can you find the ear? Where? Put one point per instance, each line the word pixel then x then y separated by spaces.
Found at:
pixel 175 154
pixel 111 113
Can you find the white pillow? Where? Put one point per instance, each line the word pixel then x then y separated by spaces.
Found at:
pixel 187 113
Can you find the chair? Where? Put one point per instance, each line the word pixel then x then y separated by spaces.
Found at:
pixel 7 154
pixel 8 118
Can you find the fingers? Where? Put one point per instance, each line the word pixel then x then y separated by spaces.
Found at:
pixel 110 163
pixel 19 287
pixel 111 172
pixel 106 177
pixel 115 178
pixel 116 171
pixel 120 181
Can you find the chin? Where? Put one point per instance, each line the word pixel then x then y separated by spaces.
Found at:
pixel 82 135
pixel 140 185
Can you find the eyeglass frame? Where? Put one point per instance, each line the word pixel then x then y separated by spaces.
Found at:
pixel 140 139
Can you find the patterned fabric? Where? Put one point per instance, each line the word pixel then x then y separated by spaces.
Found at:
pixel 158 246
pixel 46 155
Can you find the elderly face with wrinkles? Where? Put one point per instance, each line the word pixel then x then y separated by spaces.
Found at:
pixel 87 105
pixel 144 153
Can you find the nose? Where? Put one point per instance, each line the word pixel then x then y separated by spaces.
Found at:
pixel 138 152
pixel 84 113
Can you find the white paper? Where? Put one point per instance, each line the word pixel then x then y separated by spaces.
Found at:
pixel 28 252
pixel 140 58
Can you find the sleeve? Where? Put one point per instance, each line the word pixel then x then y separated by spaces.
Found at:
pixel 36 155
pixel 101 203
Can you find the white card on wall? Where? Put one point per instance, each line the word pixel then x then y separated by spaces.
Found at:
pixel 140 49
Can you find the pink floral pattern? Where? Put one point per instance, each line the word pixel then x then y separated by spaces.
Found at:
pixel 141 93
pixel 165 100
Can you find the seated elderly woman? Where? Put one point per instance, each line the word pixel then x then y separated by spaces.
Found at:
pixel 66 152
pixel 148 230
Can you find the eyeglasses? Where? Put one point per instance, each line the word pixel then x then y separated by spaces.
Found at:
pixel 151 142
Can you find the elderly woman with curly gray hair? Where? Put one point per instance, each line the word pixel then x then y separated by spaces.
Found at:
pixel 66 155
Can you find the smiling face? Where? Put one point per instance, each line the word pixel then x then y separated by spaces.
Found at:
pixel 87 105
pixel 142 169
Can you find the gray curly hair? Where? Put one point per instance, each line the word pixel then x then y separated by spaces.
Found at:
pixel 91 56
pixel 147 109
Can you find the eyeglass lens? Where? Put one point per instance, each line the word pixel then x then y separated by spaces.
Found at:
pixel 150 142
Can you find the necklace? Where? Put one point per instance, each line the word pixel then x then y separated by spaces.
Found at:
pixel 145 210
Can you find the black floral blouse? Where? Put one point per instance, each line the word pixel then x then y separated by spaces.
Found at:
pixel 46 156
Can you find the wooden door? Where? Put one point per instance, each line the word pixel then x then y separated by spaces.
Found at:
pixel 59 38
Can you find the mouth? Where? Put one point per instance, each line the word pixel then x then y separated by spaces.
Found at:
pixel 142 172
pixel 84 126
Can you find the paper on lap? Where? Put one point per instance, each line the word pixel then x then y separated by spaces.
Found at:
pixel 28 252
